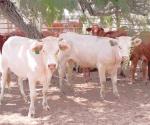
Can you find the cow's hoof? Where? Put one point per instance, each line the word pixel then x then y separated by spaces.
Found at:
pixel 101 96
pixel 1 101
pixel 62 94
pixel 31 115
pixel 71 88
pixel 122 74
pixel 117 96
pixel 46 107
pixel 145 82
pixel 131 82
pixel 108 79
pixel 26 100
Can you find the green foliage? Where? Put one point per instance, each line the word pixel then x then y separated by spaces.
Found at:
pixel 123 5
pixel 101 3
pixel 50 9
pixel 107 21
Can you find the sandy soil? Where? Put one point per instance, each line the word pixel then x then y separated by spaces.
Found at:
pixel 81 107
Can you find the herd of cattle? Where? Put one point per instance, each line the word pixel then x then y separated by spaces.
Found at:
pixel 36 60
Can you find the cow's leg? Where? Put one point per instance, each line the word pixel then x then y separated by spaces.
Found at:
pixel 86 72
pixel 61 71
pixel 122 70
pixel 124 66
pixel 102 77
pixel 4 80
pixel 114 81
pixel 20 83
pixel 133 68
pixel 32 87
pixel 69 73
pixel 144 70
pixel 44 91
pixel 149 70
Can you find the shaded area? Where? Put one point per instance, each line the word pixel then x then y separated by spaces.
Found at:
pixel 83 107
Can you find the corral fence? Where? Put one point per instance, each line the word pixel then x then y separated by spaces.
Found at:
pixel 58 27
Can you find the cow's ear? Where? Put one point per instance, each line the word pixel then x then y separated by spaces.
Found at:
pixel 64 46
pixel 136 42
pixel 88 29
pixel 37 48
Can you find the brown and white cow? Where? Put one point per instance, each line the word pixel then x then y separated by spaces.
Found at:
pixel 141 52
pixel 96 30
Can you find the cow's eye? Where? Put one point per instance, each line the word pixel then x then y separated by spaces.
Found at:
pixel 57 52
pixel 120 47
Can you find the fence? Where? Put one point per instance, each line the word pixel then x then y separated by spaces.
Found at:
pixel 7 27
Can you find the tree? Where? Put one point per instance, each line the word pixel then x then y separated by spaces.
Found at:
pixel 9 10
pixel 119 9
pixel 50 10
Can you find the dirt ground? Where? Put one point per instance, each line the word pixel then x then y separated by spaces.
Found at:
pixel 81 107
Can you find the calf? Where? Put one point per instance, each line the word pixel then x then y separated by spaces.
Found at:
pixel 33 60
pixel 96 30
pixel 99 31
pixel 141 51
pixel 90 51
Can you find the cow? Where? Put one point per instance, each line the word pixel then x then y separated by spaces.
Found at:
pixel 96 30
pixel 141 51
pixel 90 51
pixel 99 31
pixel 125 43
pixel 49 33
pixel 33 60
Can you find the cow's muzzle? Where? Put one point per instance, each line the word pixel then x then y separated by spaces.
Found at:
pixel 52 67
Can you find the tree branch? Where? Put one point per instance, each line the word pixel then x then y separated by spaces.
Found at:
pixel 10 11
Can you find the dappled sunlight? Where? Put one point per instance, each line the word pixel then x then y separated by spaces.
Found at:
pixel 84 87
pixel 145 105
pixel 11 104
pixel 78 100
pixel 80 75
pixel 55 97
pixel 16 119
pixel 54 89
pixel 83 106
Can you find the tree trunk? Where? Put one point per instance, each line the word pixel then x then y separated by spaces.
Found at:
pixel 117 17
pixel 10 12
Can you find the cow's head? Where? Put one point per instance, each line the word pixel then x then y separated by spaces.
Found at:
pixel 37 48
pixel 48 50
pixel 136 42
pixel 96 30
pixel 125 45
pixel 63 45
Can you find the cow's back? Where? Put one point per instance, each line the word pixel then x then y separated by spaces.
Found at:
pixel 15 54
pixel 88 48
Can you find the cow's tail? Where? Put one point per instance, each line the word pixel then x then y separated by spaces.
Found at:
pixel 7 74
pixel 116 54
pixel 0 62
pixel 115 51
pixel 8 79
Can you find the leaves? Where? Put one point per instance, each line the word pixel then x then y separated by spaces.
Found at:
pixel 50 9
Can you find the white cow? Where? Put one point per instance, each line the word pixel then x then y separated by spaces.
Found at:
pixel 30 59
pixel 90 51
pixel 126 43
